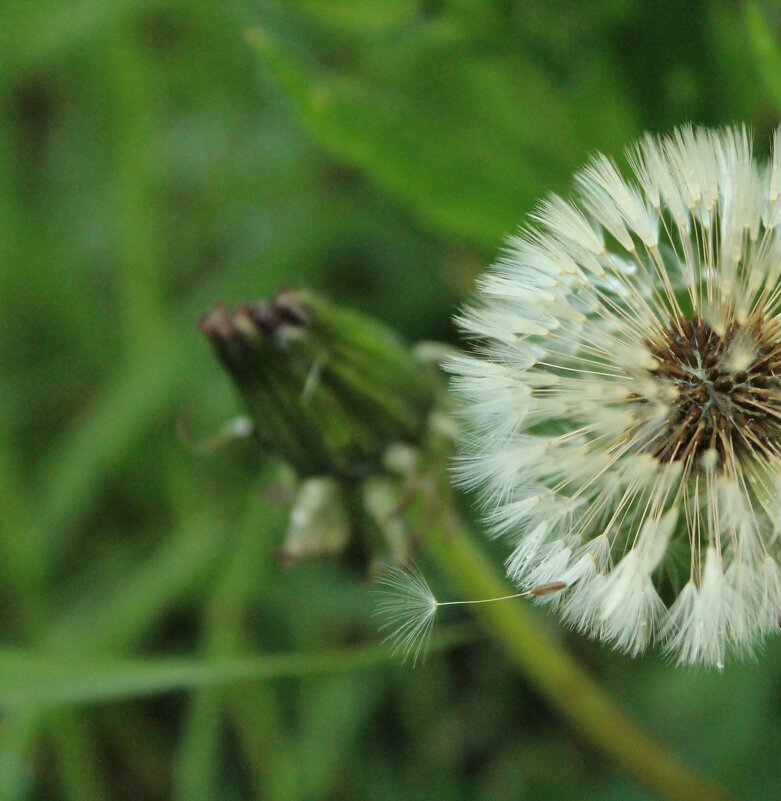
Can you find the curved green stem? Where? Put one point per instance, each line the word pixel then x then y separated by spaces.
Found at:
pixel 557 676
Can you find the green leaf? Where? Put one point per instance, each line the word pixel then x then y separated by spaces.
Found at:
pixel 29 680
pixel 763 45
pixel 468 135
pixel 38 32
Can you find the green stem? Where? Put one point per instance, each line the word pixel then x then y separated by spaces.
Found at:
pixel 558 677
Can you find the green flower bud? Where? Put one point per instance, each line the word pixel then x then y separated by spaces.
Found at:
pixel 328 389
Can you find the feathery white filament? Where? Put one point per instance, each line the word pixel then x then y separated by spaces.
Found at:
pixel 408 607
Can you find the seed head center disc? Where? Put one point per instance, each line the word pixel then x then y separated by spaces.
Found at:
pixel 727 402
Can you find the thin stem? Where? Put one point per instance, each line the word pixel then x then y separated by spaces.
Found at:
pixel 557 676
pixel 481 601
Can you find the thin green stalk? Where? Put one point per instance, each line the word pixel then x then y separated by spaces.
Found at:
pixel 140 246
pixel 557 676
pixel 197 770
pixel 78 758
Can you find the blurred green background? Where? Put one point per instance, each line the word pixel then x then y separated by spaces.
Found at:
pixel 158 155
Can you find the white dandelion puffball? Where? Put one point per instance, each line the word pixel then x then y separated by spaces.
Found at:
pixel 624 397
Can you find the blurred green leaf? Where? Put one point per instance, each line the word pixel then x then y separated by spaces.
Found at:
pixel 28 680
pixel 764 47
pixel 196 771
pixel 37 32
pixel 468 135
pixel 335 712
pixel 112 623
pixel 76 750
pixel 366 17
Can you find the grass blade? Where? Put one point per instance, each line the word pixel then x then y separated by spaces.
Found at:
pixel 28 680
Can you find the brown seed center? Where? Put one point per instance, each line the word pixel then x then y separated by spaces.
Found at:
pixel 727 391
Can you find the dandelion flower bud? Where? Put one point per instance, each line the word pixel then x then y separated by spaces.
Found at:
pixel 327 389
pixel 624 398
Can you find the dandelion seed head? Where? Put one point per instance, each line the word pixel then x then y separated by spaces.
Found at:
pixel 623 398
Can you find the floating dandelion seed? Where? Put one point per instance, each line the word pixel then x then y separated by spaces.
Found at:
pixel 624 401
pixel 409 608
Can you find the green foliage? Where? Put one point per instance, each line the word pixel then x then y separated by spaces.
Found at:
pixel 30 682
pixel 158 156
pixel 434 113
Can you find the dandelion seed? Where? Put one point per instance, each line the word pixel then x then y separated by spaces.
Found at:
pixel 624 399
pixel 409 607
pixel 547 589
